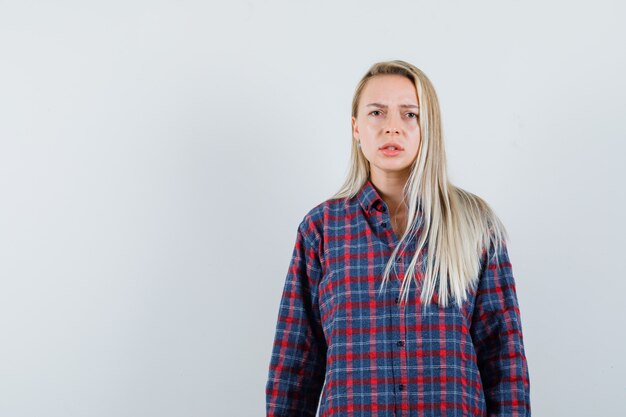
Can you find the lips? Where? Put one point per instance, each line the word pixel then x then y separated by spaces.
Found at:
pixel 392 144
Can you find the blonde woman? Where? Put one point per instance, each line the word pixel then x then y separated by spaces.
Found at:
pixel 399 299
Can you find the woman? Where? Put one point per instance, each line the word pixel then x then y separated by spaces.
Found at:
pixel 354 336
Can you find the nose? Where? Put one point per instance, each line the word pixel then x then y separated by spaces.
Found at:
pixel 392 124
pixel 392 130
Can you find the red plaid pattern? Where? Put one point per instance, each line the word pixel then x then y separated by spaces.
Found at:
pixel 341 349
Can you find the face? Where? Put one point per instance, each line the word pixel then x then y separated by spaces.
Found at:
pixel 388 113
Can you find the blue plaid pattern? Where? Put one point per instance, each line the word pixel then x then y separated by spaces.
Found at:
pixel 341 349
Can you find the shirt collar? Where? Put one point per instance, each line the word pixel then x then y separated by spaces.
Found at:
pixel 369 198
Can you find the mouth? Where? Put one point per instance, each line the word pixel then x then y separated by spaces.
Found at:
pixel 391 149
pixel 391 146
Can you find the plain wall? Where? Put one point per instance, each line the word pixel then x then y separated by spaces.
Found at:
pixel 156 158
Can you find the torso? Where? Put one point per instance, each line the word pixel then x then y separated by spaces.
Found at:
pixel 362 320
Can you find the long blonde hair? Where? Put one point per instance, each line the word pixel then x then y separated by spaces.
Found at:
pixel 458 226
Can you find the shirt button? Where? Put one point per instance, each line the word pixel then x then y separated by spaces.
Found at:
pixel 401 387
pixel 397 300
pixel 384 224
pixel 400 343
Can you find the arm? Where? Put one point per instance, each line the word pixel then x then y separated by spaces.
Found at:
pixel 498 341
pixel 298 363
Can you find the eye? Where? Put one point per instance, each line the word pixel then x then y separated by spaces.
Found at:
pixel 415 115
pixel 375 111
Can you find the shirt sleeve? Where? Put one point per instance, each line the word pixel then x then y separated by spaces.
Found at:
pixel 298 362
pixel 498 341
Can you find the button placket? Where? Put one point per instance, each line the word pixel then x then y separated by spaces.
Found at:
pixel 383 209
pixel 380 209
pixel 400 354
pixel 387 228
pixel 397 361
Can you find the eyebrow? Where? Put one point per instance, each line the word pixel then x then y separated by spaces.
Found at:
pixel 383 106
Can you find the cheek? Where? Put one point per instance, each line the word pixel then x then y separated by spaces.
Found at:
pixel 370 127
pixel 416 147
pixel 415 135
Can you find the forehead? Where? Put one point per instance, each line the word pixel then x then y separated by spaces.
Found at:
pixel 389 87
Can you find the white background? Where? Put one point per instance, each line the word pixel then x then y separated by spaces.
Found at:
pixel 156 158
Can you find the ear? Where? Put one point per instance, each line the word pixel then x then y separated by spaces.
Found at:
pixel 355 128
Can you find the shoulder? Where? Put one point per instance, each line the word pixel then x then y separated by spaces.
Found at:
pixel 479 217
pixel 471 203
pixel 316 222
pixel 475 207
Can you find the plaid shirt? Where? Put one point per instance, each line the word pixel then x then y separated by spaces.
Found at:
pixel 366 354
